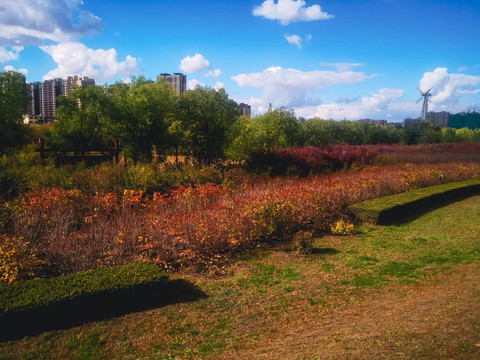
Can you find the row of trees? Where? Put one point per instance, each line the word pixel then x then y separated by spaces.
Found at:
pixel 147 117
pixel 150 118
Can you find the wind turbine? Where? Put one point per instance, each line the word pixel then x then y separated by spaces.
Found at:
pixel 425 96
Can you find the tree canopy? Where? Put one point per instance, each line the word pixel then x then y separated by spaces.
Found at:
pixel 14 98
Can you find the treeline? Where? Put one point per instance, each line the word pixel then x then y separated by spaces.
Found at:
pixel 151 121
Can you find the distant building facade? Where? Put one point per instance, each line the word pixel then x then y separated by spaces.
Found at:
pixel 411 122
pixel 50 90
pixel 34 107
pixel 440 118
pixel 43 96
pixel 245 109
pixel 76 81
pixel 177 80
pixel 376 122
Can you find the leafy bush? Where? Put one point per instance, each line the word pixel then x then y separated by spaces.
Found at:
pixel 341 228
pixel 37 293
pixel 16 261
pixel 384 208
pixel 73 231
pixel 303 242
pixel 304 161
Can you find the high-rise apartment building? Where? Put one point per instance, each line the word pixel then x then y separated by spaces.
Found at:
pixel 50 90
pixel 34 107
pixel 178 81
pixel 76 81
pixel 43 101
pixel 244 109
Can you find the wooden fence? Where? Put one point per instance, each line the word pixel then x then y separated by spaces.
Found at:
pixel 70 156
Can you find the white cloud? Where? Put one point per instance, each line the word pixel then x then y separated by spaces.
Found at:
pixel 294 40
pixel 11 68
pixel 74 58
pixel 340 66
pixel 380 105
pixel 192 84
pixel 463 68
pixel 213 74
pixel 219 85
pixel 287 11
pixel 30 22
pixel 291 87
pixel 447 88
pixel 297 40
pixel 194 64
pixel 7 55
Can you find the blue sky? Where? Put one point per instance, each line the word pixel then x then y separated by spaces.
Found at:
pixel 326 58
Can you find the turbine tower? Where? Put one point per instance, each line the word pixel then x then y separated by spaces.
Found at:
pixel 425 96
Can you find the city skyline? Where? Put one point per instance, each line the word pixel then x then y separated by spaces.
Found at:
pixel 329 59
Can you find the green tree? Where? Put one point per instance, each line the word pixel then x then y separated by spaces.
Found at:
pixel 14 98
pixel 246 138
pixel 278 128
pixel 141 114
pixel 82 120
pixel 207 116
pixel 449 135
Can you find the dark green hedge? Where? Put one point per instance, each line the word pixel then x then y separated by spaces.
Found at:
pixel 38 293
pixel 392 208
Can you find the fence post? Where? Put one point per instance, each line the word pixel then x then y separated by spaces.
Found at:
pixel 41 142
pixel 116 151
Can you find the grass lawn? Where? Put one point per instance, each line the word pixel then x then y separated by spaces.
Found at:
pixel 407 291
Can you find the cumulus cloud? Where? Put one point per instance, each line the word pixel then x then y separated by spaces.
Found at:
pixel 213 74
pixel 193 64
pixel 192 84
pixel 74 58
pixel 379 105
pixel 287 11
pixel 291 87
pixel 11 68
pixel 219 85
pixel 296 39
pixel 7 55
pixel 447 88
pixel 30 22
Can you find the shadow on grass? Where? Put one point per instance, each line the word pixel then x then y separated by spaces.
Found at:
pixel 324 251
pixel 68 314
pixel 411 211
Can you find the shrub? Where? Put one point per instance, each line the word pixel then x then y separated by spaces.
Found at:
pixel 36 293
pixel 74 231
pixel 303 242
pixel 16 261
pixel 341 228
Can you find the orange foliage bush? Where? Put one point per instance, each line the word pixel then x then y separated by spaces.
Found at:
pixel 72 231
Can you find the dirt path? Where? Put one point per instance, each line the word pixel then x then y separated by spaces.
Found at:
pixel 436 320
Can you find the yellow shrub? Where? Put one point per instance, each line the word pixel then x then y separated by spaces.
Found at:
pixel 341 228
pixel 15 260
